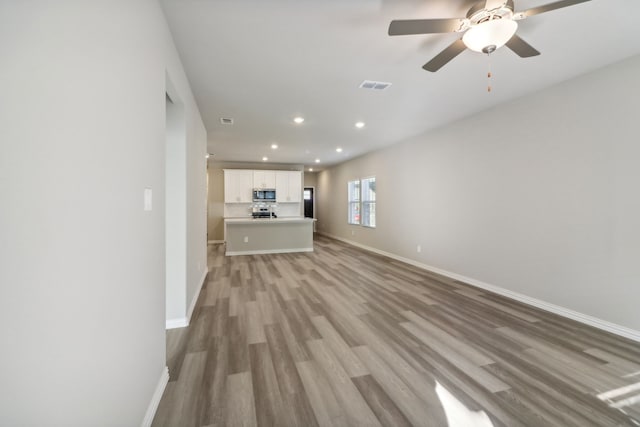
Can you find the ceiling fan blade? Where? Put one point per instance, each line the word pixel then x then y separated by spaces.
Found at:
pixel 492 4
pixel 441 59
pixel 521 47
pixel 551 6
pixel 423 26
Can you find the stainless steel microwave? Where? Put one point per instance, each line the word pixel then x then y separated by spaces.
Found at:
pixel 264 195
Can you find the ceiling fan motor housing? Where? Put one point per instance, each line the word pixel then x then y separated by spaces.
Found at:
pixel 478 14
pixel 489 29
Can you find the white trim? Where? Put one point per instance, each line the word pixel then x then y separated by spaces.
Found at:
pixel 214 242
pixel 180 322
pixel 614 328
pixel 183 322
pixel 155 399
pixel 268 251
pixel 192 306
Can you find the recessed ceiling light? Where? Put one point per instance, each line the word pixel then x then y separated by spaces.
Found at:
pixel 339 150
pixel 264 159
pixel 274 146
pixel 298 120
pixel 310 169
pixel 360 125
pixel 317 160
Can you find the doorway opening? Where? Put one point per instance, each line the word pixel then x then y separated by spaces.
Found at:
pixel 309 202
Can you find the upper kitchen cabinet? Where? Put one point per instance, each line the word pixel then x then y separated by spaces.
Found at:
pixel 288 186
pixel 238 186
pixel 264 179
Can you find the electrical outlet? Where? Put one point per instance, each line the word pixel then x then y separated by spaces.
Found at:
pixel 246 239
pixel 353 232
pixel 419 249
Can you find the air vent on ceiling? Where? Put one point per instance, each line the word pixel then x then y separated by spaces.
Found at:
pixel 370 84
pixel 226 120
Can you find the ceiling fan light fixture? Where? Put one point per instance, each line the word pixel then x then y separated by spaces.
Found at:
pixel 489 35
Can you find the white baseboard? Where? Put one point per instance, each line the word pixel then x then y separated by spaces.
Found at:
pixel 183 322
pixel 192 306
pixel 180 322
pixel 623 331
pixel 214 242
pixel 269 251
pixel 155 399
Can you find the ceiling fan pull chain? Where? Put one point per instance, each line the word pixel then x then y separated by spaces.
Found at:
pixel 489 73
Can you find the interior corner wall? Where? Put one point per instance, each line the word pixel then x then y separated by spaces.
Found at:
pixel 176 209
pixel 215 219
pixel 197 267
pixel 310 179
pixel 538 196
pixel 190 251
pixel 82 265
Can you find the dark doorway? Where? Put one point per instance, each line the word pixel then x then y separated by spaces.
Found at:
pixel 308 201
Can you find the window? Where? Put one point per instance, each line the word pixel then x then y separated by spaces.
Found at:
pixel 362 202
pixel 354 202
pixel 369 202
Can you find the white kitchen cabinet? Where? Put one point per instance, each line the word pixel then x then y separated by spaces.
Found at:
pixel 295 186
pixel 238 186
pixel 264 179
pixel 288 186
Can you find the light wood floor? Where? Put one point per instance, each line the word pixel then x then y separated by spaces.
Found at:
pixel 341 336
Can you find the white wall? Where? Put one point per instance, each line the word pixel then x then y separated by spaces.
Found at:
pixel 82 131
pixel 538 196
pixel 187 195
pixel 176 209
pixel 196 203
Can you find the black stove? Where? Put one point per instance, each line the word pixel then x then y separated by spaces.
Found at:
pixel 263 215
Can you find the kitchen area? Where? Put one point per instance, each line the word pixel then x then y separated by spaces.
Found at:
pixel 263 212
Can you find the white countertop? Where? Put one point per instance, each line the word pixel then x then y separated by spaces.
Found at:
pixel 248 220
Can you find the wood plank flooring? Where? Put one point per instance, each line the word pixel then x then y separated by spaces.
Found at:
pixel 344 337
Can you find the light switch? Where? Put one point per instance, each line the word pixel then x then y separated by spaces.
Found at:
pixel 148 199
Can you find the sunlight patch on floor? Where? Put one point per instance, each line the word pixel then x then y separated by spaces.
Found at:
pixel 622 397
pixel 459 415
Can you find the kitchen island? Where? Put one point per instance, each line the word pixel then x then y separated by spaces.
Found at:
pixel 247 236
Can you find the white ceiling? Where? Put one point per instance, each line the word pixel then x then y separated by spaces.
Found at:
pixel 265 62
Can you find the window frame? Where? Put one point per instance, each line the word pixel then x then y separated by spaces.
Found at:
pixel 351 202
pixel 360 203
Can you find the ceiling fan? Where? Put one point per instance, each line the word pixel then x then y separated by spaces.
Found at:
pixel 489 25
